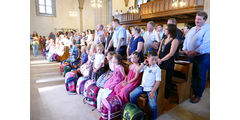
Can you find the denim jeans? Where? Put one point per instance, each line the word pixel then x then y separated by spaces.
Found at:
pixel 35 49
pixel 152 102
pixel 201 65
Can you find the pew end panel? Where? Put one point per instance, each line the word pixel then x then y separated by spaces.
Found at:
pixel 183 83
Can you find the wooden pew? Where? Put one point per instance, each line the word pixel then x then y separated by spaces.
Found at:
pixel 182 57
pixel 183 79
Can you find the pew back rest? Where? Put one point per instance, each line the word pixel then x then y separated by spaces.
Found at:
pixel 185 68
pixel 126 65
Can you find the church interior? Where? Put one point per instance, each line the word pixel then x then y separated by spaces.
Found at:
pixel 65 32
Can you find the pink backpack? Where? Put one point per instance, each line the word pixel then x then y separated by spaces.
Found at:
pixel 55 57
pixel 69 75
pixel 91 93
pixel 88 83
pixel 70 81
pixel 80 85
pixel 111 107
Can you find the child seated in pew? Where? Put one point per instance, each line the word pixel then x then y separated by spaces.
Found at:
pixel 76 63
pixel 131 81
pixel 60 50
pixel 73 53
pixel 98 64
pixel 84 55
pixel 154 46
pixel 105 76
pixel 150 82
pixel 86 69
pixel 117 77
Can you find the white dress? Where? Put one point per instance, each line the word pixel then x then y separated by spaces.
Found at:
pixel 60 50
pixel 102 94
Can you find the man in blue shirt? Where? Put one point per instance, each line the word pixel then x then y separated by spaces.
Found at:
pixel 118 39
pixel 51 35
pixel 197 47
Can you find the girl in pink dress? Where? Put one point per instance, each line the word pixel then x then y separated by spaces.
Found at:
pixel 131 81
pixel 118 74
pixel 117 77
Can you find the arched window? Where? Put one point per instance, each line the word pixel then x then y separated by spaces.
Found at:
pixel 45 7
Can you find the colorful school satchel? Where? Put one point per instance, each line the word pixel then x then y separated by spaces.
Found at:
pixel 111 107
pixel 91 99
pixel 55 57
pixel 132 112
pixel 80 85
pixel 44 51
pixel 63 65
pixel 88 83
pixel 70 81
pixel 66 69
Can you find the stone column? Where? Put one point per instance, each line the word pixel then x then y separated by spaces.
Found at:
pixel 81 2
pixel 81 20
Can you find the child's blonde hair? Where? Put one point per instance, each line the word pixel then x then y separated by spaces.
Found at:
pixel 94 47
pixel 100 46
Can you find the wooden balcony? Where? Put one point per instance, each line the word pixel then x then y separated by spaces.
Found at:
pixel 161 10
pixel 129 18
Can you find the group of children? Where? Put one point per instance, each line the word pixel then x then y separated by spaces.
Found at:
pixel 111 77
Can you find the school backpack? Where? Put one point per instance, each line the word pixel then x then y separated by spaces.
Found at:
pixel 63 65
pixel 88 83
pixel 80 85
pixel 132 112
pixel 111 107
pixel 55 57
pixel 70 81
pixel 91 99
pixel 66 69
pixel 44 51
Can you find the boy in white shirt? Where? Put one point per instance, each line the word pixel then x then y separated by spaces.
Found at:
pixel 150 82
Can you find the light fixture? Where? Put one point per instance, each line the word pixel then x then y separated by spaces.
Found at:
pixel 96 3
pixel 134 10
pixel 182 3
pixel 178 3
